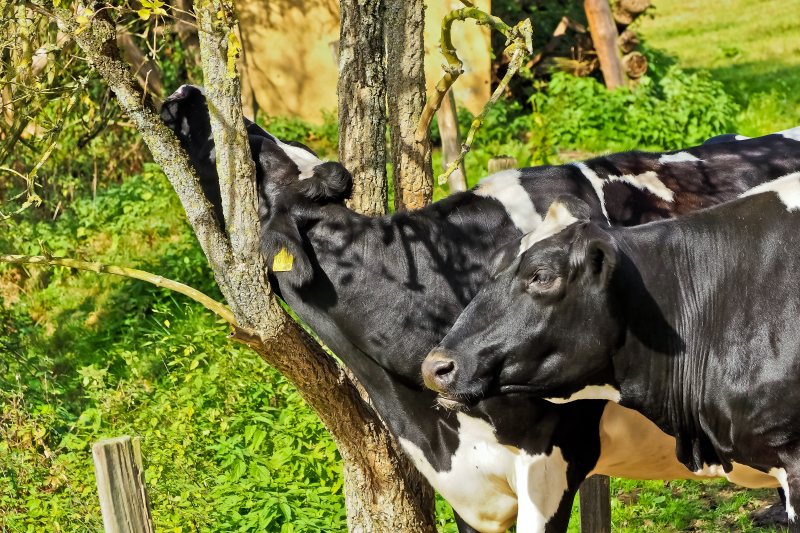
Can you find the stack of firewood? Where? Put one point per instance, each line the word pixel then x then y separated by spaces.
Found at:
pixel 572 49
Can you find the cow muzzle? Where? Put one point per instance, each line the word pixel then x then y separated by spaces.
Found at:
pixel 439 371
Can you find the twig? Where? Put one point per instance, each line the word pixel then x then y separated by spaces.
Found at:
pixel 206 301
pixel 518 55
pixel 453 67
pixel 520 46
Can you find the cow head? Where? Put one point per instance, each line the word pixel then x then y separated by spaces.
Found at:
pixel 290 178
pixel 543 325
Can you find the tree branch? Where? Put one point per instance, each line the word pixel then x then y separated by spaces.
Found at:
pixel 93 266
pixel 97 39
pixel 519 50
pixel 454 65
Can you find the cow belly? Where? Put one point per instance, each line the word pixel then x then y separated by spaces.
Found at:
pixel 633 447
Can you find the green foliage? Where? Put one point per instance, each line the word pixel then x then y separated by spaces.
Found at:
pixel 228 444
pixel 322 138
pixel 677 110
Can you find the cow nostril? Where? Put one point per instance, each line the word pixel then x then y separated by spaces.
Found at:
pixel 445 367
pixel 438 371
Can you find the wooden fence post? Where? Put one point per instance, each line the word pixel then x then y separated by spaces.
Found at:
pixel 604 36
pixel 120 485
pixel 501 162
pixel 447 118
pixel 595 497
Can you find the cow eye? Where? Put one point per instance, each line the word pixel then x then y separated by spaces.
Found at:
pixel 543 281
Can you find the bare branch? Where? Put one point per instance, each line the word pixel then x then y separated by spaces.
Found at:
pixel 454 65
pixel 519 50
pixel 93 266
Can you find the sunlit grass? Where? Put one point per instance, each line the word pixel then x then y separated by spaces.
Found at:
pixel 752 47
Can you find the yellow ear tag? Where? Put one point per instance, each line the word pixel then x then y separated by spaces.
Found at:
pixel 283 261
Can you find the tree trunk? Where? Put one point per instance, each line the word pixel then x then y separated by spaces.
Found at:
pixel 604 37
pixel 405 88
pixel 362 102
pixel 447 118
pixel 381 495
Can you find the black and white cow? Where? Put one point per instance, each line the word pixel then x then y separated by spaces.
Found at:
pixel 693 322
pixel 381 291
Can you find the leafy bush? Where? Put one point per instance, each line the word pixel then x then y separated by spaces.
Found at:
pixel 228 443
pixel 675 111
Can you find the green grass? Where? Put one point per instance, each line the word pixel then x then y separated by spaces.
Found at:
pixel 753 47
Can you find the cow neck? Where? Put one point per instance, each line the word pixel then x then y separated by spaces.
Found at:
pixel 430 264
pixel 661 358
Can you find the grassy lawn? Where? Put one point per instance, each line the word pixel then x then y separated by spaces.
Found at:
pixel 751 46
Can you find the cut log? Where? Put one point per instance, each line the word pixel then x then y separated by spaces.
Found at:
pixel 635 65
pixel 604 36
pixel 628 41
pixel 626 11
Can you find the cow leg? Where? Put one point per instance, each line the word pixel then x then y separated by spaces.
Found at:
pixel 544 493
pixel 559 522
pixel 463 527
pixel 789 479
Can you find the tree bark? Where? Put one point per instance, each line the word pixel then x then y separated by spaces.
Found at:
pixel 604 36
pixel 405 87
pixel 362 102
pixel 447 118
pixel 381 495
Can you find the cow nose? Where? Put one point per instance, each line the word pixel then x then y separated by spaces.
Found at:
pixel 438 370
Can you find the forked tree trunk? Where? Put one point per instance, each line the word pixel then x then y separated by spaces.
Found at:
pixel 362 102
pixel 381 494
pixel 405 95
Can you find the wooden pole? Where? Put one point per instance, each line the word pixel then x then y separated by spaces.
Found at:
pixel 120 485
pixel 595 497
pixel 604 37
pixel 501 162
pixel 447 118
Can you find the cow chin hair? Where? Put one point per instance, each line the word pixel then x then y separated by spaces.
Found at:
pixel 330 183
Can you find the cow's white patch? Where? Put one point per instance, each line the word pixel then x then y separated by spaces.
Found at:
pixel 678 157
pixel 305 160
pixel 558 217
pixel 591 392
pixel 486 480
pixel 505 187
pixel 540 481
pixel 783 479
pixel 597 184
pixel 740 474
pixel 741 137
pixel 786 187
pixel 647 181
pixel 793 133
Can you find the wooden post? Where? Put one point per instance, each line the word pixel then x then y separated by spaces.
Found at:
pixel 604 37
pixel 120 485
pixel 447 118
pixel 501 162
pixel 595 497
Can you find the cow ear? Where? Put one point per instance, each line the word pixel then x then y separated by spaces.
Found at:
pixel 601 258
pixel 282 248
pixel 597 254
